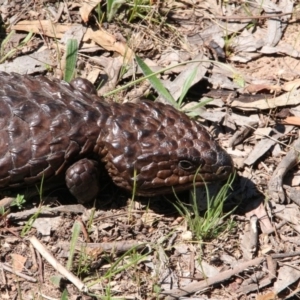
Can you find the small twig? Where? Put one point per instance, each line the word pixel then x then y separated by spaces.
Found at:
pixel 56 265
pixel 84 231
pixel 40 266
pixel 9 269
pixel 47 297
pixel 197 286
pixel 294 293
pixel 116 246
pixel 272 267
pixel 3 277
pixel 284 255
pixel 253 236
pixel 251 17
pixel 33 257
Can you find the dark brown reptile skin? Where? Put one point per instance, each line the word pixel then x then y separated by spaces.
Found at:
pixel 47 128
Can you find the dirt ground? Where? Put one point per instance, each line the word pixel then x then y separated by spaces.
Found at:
pixel 244 57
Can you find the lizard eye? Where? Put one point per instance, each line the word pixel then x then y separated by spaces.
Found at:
pixel 186 165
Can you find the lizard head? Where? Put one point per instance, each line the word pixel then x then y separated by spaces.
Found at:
pixel 159 149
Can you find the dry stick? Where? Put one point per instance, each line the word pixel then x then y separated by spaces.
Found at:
pixel 284 255
pixel 56 265
pixel 84 231
pixel 9 269
pixel 46 297
pixel 3 281
pixel 197 286
pixel 40 266
pixel 252 17
pixel 116 246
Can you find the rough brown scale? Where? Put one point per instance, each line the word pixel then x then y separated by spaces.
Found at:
pixel 49 129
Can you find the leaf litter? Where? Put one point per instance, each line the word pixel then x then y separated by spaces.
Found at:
pixel 246 57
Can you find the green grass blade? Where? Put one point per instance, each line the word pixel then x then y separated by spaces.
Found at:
pixel 214 221
pixel 17 48
pixel 112 8
pixel 186 86
pixel 71 59
pixel 75 235
pixel 64 295
pixel 155 82
pixel 194 110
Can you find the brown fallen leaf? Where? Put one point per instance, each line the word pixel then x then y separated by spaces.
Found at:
pixel 288 98
pixel 268 296
pixel 291 85
pixel 18 262
pixel 101 37
pixel 254 88
pixel 86 9
pixel 292 121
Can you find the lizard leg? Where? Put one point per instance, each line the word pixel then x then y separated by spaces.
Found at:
pixel 82 179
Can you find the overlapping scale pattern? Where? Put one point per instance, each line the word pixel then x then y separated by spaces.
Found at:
pixel 46 126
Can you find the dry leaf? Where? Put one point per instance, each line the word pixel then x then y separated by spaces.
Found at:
pixel 267 296
pixel 289 98
pixel 18 262
pixel 292 121
pixel 101 37
pixel 286 276
pixel 86 9
pixel 254 88
pixel 291 85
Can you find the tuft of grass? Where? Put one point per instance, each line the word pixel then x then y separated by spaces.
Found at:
pixel 214 220
pixel 84 262
pixel 138 9
pixel 112 7
pixel 130 259
pixel 135 9
pixel 4 56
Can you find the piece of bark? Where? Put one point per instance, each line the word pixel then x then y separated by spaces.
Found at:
pixel 46 211
pixel 289 98
pixel 275 187
pixel 242 134
pixel 292 194
pixel 254 286
pixel 249 240
pixel 265 144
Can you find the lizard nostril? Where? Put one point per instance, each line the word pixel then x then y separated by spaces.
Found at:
pixel 224 170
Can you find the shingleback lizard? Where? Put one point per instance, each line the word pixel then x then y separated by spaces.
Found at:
pixel 50 129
